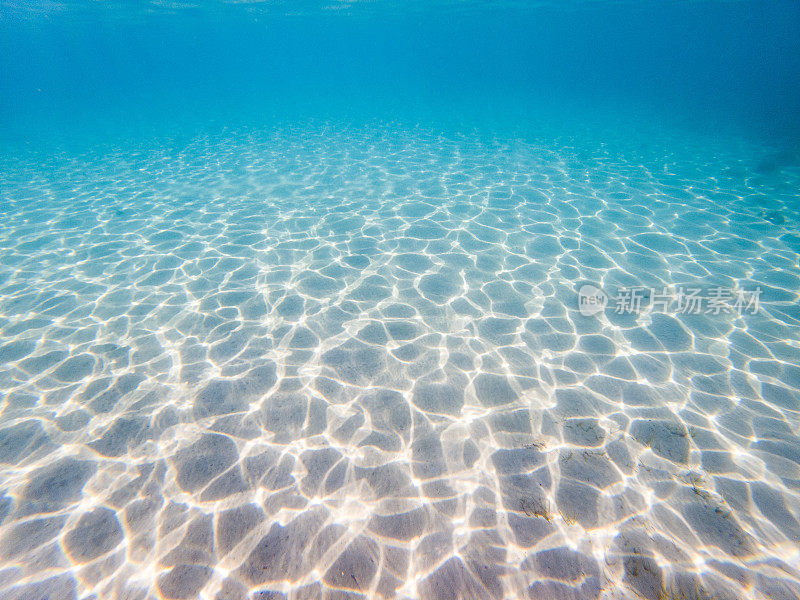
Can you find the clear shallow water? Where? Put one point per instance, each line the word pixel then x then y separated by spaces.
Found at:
pixel 335 355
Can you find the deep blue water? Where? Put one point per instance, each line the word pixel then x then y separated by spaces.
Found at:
pixel 729 64
pixel 448 300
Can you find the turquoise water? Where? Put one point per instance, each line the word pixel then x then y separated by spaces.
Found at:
pixel 450 300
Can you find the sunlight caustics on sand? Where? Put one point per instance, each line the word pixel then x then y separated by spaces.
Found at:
pixel 324 361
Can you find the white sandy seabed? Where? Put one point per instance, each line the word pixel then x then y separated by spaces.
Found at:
pixel 332 362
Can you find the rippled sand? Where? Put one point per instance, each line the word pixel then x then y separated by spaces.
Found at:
pixel 324 362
